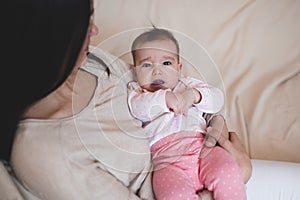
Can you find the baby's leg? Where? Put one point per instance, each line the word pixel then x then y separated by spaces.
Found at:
pixel 221 174
pixel 172 183
pixel 176 172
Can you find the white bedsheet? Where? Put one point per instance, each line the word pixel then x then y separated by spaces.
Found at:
pixel 271 180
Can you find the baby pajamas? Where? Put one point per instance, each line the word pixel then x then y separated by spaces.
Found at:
pixel 180 174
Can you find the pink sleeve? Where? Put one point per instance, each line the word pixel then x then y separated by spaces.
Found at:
pixel 212 98
pixel 145 105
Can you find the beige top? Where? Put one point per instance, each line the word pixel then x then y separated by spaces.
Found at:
pixel 99 153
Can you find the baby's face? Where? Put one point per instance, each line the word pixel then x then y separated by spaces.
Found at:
pixel 157 65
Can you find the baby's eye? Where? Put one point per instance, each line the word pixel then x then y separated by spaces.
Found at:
pixel 167 63
pixel 146 65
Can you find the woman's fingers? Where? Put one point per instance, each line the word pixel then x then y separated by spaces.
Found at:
pixel 211 137
pixel 235 147
pixel 210 140
pixel 227 144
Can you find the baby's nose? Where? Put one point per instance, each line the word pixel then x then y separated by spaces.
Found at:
pixel 156 69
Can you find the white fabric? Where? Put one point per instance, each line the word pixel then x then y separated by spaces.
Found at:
pixel 274 180
pixel 271 180
pixel 8 190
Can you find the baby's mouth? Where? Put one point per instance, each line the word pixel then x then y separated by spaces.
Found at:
pixel 157 83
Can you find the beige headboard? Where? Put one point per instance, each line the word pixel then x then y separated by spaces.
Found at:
pixel 249 49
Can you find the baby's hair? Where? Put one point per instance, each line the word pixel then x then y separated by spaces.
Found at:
pixel 152 35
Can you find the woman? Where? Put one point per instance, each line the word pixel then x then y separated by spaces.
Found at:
pixel 52 156
pixel 71 136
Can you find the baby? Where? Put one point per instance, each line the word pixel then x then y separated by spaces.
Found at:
pixel 171 109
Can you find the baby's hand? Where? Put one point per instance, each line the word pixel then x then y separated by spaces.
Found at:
pixel 190 96
pixel 173 102
pixel 180 102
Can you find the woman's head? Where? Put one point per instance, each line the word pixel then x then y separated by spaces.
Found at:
pixel 46 38
pixel 156 60
pixel 43 40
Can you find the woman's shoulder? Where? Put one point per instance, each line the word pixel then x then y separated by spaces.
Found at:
pixel 99 61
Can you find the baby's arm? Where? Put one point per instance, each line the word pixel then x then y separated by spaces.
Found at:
pixel 144 105
pixel 212 98
pixel 180 102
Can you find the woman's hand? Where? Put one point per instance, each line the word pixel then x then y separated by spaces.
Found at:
pixel 217 133
pixel 235 147
pixel 229 141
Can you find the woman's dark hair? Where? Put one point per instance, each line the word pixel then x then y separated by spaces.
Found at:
pixel 42 41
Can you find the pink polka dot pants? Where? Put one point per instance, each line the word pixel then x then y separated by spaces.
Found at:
pixel 179 174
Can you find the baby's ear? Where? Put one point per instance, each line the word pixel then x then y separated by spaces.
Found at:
pixel 179 67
